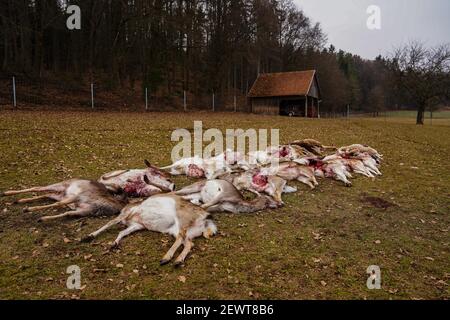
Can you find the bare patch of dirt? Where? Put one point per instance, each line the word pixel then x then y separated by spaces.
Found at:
pixel 378 202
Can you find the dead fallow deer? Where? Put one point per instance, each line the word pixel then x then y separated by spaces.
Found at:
pixel 334 170
pixel 256 182
pixel 133 184
pixel 290 171
pixel 354 165
pixel 83 197
pixel 168 214
pixel 191 167
pixel 313 146
pixel 359 150
pixel 222 196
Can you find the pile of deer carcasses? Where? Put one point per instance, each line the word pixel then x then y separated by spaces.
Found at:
pixel 184 213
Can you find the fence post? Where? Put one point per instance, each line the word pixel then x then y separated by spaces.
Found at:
pixel 146 99
pixel 348 111
pixel 214 102
pixel 14 92
pixel 306 106
pixel 318 109
pixel 184 101
pixel 92 96
pixel 235 103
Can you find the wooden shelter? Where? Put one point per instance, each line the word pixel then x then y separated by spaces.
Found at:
pixel 287 93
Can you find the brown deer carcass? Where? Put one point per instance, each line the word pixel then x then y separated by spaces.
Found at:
pixel 313 146
pixel 359 150
pixel 83 197
pixel 334 170
pixel 290 171
pixel 133 184
pixel 256 182
pixel 168 214
pixel 222 196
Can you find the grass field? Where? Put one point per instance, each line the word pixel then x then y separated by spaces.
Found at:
pixel 439 117
pixel 317 247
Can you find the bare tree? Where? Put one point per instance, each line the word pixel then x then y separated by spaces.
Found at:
pixel 423 73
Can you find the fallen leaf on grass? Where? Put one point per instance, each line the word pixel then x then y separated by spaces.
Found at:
pixel 393 291
pixel 182 279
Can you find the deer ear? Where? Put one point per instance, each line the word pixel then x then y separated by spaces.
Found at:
pixel 147 163
pixel 146 180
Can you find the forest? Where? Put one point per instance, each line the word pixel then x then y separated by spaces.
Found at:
pixel 208 46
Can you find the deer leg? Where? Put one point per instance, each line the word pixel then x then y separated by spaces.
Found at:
pixel 289 189
pixel 102 229
pixel 29 190
pixel 365 173
pixel 75 213
pixel 213 202
pixel 192 196
pixel 47 196
pixel 195 188
pixel 215 208
pixel 250 189
pixel 306 181
pixel 55 188
pixel 59 204
pixel 169 255
pixel 314 180
pixel 188 244
pixel 131 229
pixel 343 178
pixel 119 173
pixel 277 196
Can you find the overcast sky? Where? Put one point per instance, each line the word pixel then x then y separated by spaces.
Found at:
pixel 345 23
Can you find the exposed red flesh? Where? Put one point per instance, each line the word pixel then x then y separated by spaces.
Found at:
pixel 195 171
pixel 260 181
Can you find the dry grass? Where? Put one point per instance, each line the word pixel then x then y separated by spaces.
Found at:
pixel 317 247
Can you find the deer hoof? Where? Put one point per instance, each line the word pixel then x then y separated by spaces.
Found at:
pixel 26 209
pixel 178 264
pixel 87 239
pixel 114 246
pixel 163 262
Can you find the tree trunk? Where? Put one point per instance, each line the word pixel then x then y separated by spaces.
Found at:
pixel 5 45
pixel 420 116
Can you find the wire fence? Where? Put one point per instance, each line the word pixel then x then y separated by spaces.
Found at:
pixel 25 93
pixel 21 93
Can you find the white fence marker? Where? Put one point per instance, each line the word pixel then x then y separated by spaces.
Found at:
pixel 92 96
pixel 14 92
